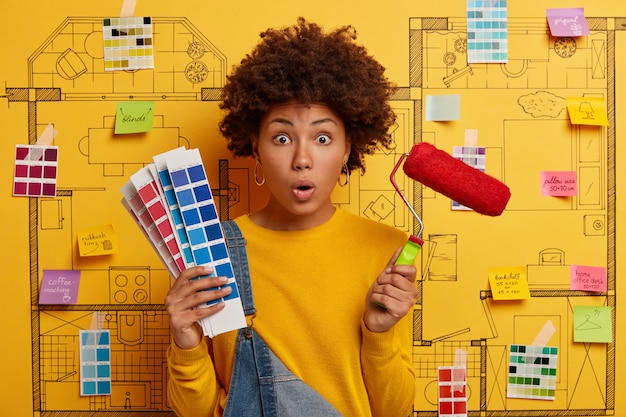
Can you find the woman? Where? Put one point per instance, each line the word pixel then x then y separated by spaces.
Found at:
pixel 330 303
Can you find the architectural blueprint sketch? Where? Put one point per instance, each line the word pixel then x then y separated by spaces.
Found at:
pixel 519 111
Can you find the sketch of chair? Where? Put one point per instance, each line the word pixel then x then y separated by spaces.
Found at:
pixel 69 65
pixel 552 256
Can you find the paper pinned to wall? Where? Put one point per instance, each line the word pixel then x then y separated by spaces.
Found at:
pixel 444 107
pixel 509 283
pixel 587 111
pixel 588 278
pixel 59 286
pixel 127 43
pixel 100 240
pixel 567 22
pixel 134 117
pixel 487 31
pixel 593 324
pixel 558 183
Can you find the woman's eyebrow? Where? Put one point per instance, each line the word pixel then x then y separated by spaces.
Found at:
pixel 322 121
pixel 282 120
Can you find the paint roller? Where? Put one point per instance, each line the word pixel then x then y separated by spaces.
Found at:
pixel 453 178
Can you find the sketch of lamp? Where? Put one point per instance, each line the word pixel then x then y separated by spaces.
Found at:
pixel 587 108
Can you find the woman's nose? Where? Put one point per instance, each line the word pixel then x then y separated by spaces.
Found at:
pixel 302 158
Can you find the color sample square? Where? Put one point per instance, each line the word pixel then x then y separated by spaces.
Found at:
pixel 35 173
pixel 487 33
pixel 95 362
pixel 127 43
pixel 473 156
pixel 532 372
pixel 452 386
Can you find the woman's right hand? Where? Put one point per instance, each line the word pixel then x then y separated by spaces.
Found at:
pixel 185 296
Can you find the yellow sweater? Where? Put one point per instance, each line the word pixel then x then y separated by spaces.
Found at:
pixel 309 290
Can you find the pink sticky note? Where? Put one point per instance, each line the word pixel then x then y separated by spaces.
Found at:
pixel 568 22
pixel 59 286
pixel 558 183
pixel 588 278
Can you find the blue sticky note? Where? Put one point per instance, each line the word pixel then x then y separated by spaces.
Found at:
pixel 443 107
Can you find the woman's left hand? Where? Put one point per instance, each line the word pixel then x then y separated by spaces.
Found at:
pixel 391 296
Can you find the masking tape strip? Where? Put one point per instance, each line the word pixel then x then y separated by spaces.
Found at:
pixel 47 136
pixel 460 357
pixel 471 138
pixel 95 321
pixel 45 139
pixel 128 8
pixel 544 335
pixel 460 360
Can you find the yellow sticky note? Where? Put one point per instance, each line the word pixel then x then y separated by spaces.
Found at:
pixel 100 240
pixel 509 283
pixel 587 111
pixel 593 324
pixel 134 117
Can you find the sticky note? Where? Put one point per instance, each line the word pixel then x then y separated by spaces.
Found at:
pixel 558 183
pixel 134 117
pixel 568 22
pixel 443 107
pixel 509 283
pixel 101 240
pixel 587 111
pixel 593 324
pixel 59 286
pixel 588 278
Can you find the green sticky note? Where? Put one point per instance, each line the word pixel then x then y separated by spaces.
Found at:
pixel 593 324
pixel 134 116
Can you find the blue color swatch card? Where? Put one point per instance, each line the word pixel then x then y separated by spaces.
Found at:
pixel 172 202
pixel 95 362
pixel 487 33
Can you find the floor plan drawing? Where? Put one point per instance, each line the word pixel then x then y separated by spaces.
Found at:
pixel 519 109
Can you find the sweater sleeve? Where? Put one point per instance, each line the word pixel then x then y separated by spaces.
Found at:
pixel 387 369
pixel 193 387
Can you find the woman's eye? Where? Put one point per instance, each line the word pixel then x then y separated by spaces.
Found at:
pixel 281 139
pixel 324 139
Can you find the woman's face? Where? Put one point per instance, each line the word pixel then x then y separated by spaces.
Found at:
pixel 301 148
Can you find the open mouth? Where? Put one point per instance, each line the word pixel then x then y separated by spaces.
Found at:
pixel 303 191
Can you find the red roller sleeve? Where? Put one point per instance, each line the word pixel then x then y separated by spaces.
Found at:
pixel 455 179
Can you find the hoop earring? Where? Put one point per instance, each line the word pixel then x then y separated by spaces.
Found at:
pixel 344 168
pixel 256 176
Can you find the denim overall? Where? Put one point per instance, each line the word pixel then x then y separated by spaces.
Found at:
pixel 261 385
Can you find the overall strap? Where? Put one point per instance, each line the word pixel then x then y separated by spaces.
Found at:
pixel 239 259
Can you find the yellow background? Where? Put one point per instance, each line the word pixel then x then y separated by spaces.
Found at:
pixel 523 235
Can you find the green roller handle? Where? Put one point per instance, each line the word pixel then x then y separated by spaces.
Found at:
pixel 407 256
pixel 410 250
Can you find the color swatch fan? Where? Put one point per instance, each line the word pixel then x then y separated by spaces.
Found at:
pixel 172 203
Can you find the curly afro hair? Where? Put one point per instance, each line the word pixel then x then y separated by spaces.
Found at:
pixel 303 63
